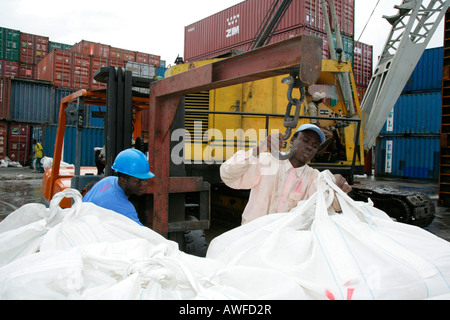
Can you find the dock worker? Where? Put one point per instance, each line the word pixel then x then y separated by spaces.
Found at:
pixel 277 185
pixel 112 192
pixel 38 154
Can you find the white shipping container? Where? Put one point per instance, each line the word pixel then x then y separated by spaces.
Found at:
pixel 141 70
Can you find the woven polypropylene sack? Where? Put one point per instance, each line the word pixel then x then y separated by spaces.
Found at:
pixel 358 253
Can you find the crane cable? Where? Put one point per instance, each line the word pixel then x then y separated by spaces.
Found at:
pixel 368 20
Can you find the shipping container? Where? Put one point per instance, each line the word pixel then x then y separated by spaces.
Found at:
pixel 9 44
pixel 94 114
pixel 9 68
pixel 58 45
pixel 92 49
pixel 30 101
pixel 97 63
pixel 287 34
pixel 5 98
pixel 33 48
pixel 3 139
pixel 56 67
pixel 91 138
pixel 408 157
pixel 122 54
pixel 362 63
pixel 414 114
pixel 239 24
pixel 81 71
pixel 427 76
pixel 28 71
pixel 19 143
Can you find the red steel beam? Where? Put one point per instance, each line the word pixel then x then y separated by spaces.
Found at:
pixel 303 53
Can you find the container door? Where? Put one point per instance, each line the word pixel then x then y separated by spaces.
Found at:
pixel 19 146
pixel 3 139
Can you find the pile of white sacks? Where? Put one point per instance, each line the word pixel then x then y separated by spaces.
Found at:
pixel 311 252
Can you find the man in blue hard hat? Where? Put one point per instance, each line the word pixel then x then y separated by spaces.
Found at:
pixel 112 193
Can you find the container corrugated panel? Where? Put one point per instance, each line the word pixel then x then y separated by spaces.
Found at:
pixel 93 113
pixel 239 24
pixel 19 142
pixel 3 139
pixel 33 48
pixel 427 76
pixel 5 98
pixel 362 63
pixel 81 67
pixel 56 67
pixel 99 62
pixel 9 44
pixel 30 101
pixel 91 138
pixel 92 48
pixel 9 68
pixel 408 157
pixel 28 71
pixel 58 45
pixel 418 113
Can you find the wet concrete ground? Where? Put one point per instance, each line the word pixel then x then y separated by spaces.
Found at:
pixel 19 186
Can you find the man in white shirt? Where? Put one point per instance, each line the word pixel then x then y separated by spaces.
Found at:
pixel 277 185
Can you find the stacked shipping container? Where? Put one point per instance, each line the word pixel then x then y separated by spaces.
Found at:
pixel 409 143
pixel 35 73
pixel 235 28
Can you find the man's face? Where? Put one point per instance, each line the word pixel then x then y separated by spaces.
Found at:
pixel 307 143
pixel 134 186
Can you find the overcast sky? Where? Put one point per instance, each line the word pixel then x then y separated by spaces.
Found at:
pixel 155 27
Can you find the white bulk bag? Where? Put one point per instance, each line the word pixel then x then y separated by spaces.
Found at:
pixel 359 253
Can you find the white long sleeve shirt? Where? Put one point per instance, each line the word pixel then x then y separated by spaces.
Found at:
pixel 276 186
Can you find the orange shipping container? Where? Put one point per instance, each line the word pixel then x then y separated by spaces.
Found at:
pixel 92 49
pixel 56 67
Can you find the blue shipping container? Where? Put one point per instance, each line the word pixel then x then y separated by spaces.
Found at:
pixel 31 101
pixel 427 76
pixel 418 113
pixel 408 157
pixel 91 138
pixel 91 110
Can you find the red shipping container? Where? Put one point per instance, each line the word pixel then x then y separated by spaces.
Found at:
pixel 19 144
pixel 122 54
pixel 81 71
pixel 92 49
pixel 238 25
pixel 97 63
pixel 5 98
pixel 363 63
pixel 142 57
pixel 28 71
pixel 287 34
pixel 9 68
pixel 3 139
pixel 56 67
pixel 33 48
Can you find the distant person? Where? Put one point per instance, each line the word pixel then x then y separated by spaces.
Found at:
pixel 38 154
pixel 112 193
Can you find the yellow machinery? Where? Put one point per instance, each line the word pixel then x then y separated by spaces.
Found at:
pixel 221 121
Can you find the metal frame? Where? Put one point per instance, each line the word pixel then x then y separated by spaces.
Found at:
pixel 302 54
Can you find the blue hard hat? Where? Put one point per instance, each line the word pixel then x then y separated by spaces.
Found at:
pixel 133 163
pixel 314 128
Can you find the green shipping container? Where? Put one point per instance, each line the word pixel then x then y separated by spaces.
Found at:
pixel 57 45
pixel 9 44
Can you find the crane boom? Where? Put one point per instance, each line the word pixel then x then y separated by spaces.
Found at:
pixel 412 29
